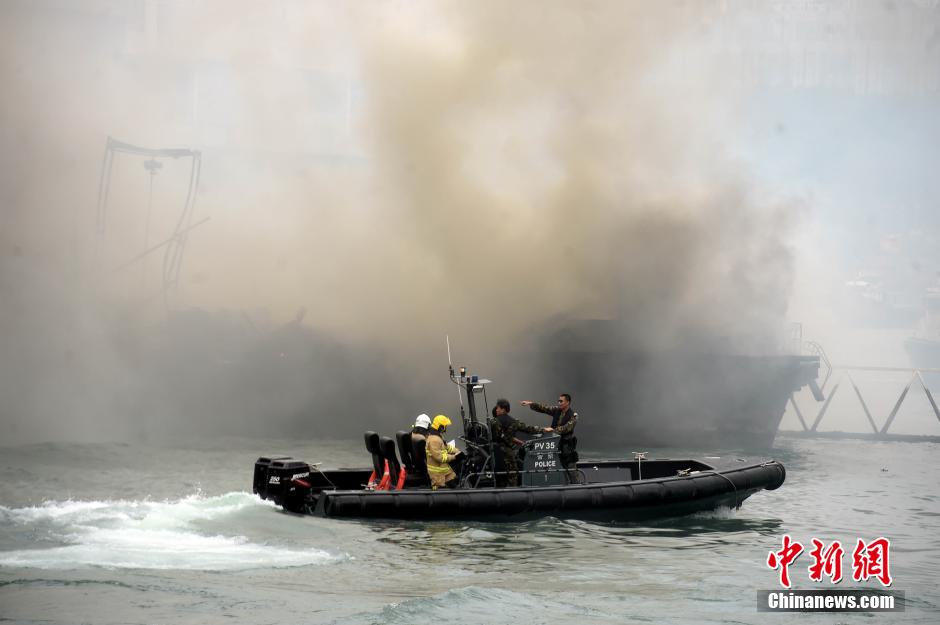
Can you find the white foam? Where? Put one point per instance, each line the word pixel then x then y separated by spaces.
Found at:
pixel 166 513
pixel 149 535
pixel 721 513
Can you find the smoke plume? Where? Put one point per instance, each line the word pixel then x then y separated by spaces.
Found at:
pixel 375 176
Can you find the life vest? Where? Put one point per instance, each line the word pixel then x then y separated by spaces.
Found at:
pixel 386 482
pixel 383 483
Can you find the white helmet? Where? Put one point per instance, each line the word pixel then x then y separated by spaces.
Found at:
pixel 423 421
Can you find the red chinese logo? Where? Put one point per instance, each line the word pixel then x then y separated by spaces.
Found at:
pixel 828 561
pixel 868 560
pixel 784 558
pixel 871 560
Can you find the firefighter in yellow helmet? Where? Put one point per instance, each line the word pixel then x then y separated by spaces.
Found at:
pixel 440 455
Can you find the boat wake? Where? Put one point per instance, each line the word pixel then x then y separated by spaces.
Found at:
pixel 192 533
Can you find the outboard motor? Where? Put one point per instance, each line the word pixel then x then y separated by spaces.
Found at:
pixel 283 478
pixel 259 485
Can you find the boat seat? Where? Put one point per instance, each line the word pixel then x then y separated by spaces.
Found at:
pixel 419 457
pixel 387 445
pixel 378 461
pixel 404 448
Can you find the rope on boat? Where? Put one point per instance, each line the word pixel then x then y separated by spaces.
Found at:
pixel 737 504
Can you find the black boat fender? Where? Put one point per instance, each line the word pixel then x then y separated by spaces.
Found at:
pixel 781 471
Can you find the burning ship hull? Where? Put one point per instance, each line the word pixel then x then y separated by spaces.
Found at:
pixel 690 398
pixel 211 365
pixel 710 400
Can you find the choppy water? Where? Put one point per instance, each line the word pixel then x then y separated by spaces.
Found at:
pixel 115 533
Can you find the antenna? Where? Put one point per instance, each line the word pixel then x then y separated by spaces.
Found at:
pixel 450 367
pixel 450 363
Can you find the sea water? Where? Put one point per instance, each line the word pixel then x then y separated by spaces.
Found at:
pixel 125 533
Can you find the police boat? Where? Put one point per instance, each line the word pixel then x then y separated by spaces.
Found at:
pixel 396 485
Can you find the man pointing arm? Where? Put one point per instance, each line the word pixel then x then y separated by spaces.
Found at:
pixel 564 420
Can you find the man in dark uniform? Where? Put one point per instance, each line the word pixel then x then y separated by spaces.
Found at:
pixel 564 419
pixel 504 428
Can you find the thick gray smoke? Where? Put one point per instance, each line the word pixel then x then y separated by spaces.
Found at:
pixel 376 176
pixel 534 170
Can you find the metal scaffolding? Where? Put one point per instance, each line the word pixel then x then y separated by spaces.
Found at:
pixel 176 243
pixel 844 372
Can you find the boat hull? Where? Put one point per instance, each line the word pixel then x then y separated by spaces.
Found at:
pixel 627 500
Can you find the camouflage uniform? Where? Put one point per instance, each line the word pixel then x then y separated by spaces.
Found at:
pixel 563 423
pixel 503 431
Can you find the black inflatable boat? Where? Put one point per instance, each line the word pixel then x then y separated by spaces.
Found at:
pixel 601 490
pixel 668 488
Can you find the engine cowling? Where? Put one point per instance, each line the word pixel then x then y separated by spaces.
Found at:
pixel 279 478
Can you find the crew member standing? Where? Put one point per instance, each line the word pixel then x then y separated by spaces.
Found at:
pixel 504 428
pixel 440 455
pixel 564 420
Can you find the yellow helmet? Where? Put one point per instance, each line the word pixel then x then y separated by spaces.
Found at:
pixel 439 422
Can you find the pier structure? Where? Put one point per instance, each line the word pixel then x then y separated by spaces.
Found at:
pixel 843 373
